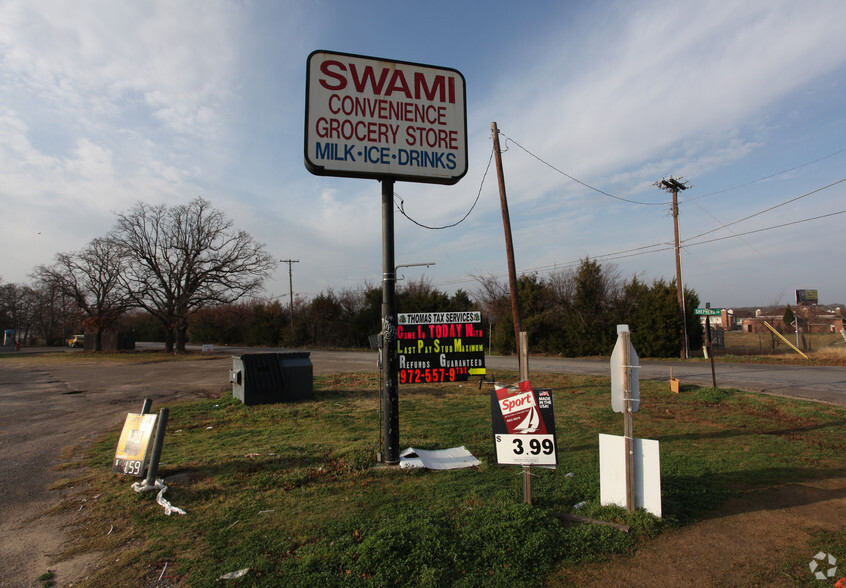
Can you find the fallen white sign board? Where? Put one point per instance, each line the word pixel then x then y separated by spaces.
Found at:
pixel 438 459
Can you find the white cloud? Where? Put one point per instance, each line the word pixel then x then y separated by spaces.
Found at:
pixel 663 76
pixel 105 103
pixel 101 58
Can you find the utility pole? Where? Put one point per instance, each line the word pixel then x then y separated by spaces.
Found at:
pixel 673 186
pixel 291 287
pixel 509 245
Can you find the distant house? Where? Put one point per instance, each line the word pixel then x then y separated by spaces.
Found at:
pixel 812 319
pixel 724 320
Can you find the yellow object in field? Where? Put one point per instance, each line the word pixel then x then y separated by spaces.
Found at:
pixel 674 383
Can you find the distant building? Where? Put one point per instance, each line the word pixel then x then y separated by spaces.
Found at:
pixel 812 319
pixel 725 320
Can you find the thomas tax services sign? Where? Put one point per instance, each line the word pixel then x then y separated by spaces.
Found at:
pixel 440 347
pixel 372 118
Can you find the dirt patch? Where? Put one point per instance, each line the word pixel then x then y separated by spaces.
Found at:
pixel 51 404
pixel 746 543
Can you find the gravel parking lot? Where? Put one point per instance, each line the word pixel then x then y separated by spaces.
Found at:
pixel 49 405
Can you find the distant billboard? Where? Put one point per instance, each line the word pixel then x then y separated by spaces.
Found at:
pixel 807 297
pixel 368 117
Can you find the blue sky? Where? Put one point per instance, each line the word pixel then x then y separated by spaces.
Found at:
pixel 105 103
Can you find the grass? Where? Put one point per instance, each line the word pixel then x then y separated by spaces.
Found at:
pixel 287 490
pixel 46 579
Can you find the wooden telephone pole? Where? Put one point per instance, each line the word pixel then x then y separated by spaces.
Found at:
pixel 290 262
pixel 674 186
pixel 509 245
pixel 521 339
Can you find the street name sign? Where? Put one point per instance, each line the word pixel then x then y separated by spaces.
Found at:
pixel 707 311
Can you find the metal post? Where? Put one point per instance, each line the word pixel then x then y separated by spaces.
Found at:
pixel 390 358
pixel 628 420
pixel 524 355
pixel 145 408
pixel 490 334
pixel 153 468
pixel 524 375
pixel 509 245
pixel 708 346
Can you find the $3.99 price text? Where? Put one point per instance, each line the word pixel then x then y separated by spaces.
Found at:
pixel 525 449
pixel 430 375
pixel 535 446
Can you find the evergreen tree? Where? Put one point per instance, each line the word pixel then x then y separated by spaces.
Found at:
pixel 590 326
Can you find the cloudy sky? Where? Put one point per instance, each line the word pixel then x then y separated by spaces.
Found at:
pixel 104 104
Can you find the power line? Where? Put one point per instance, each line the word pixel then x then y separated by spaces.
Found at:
pixel 636 251
pixel 400 206
pixel 804 220
pixel 626 253
pixel 766 210
pixel 757 251
pixel 778 173
pixel 578 181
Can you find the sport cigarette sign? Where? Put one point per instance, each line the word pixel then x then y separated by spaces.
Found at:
pixel 374 118
pixel 523 422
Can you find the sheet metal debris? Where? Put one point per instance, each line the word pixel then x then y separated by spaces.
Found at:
pixel 438 459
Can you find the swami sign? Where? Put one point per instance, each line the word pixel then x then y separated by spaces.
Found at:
pixel 373 118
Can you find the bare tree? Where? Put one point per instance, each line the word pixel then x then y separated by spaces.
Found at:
pixel 91 278
pixel 493 297
pixel 16 309
pixel 52 311
pixel 184 258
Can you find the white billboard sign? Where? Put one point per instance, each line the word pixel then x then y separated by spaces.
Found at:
pixel 647 472
pixel 374 118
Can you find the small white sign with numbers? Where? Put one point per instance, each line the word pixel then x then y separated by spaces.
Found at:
pixel 525 449
pixel 131 454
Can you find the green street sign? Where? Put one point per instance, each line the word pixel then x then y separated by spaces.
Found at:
pixel 708 311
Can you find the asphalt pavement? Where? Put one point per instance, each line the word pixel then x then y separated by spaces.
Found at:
pixel 818 383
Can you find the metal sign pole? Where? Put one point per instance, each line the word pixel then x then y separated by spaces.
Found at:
pixel 628 420
pixel 161 427
pixel 390 358
pixel 523 347
pixel 710 350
